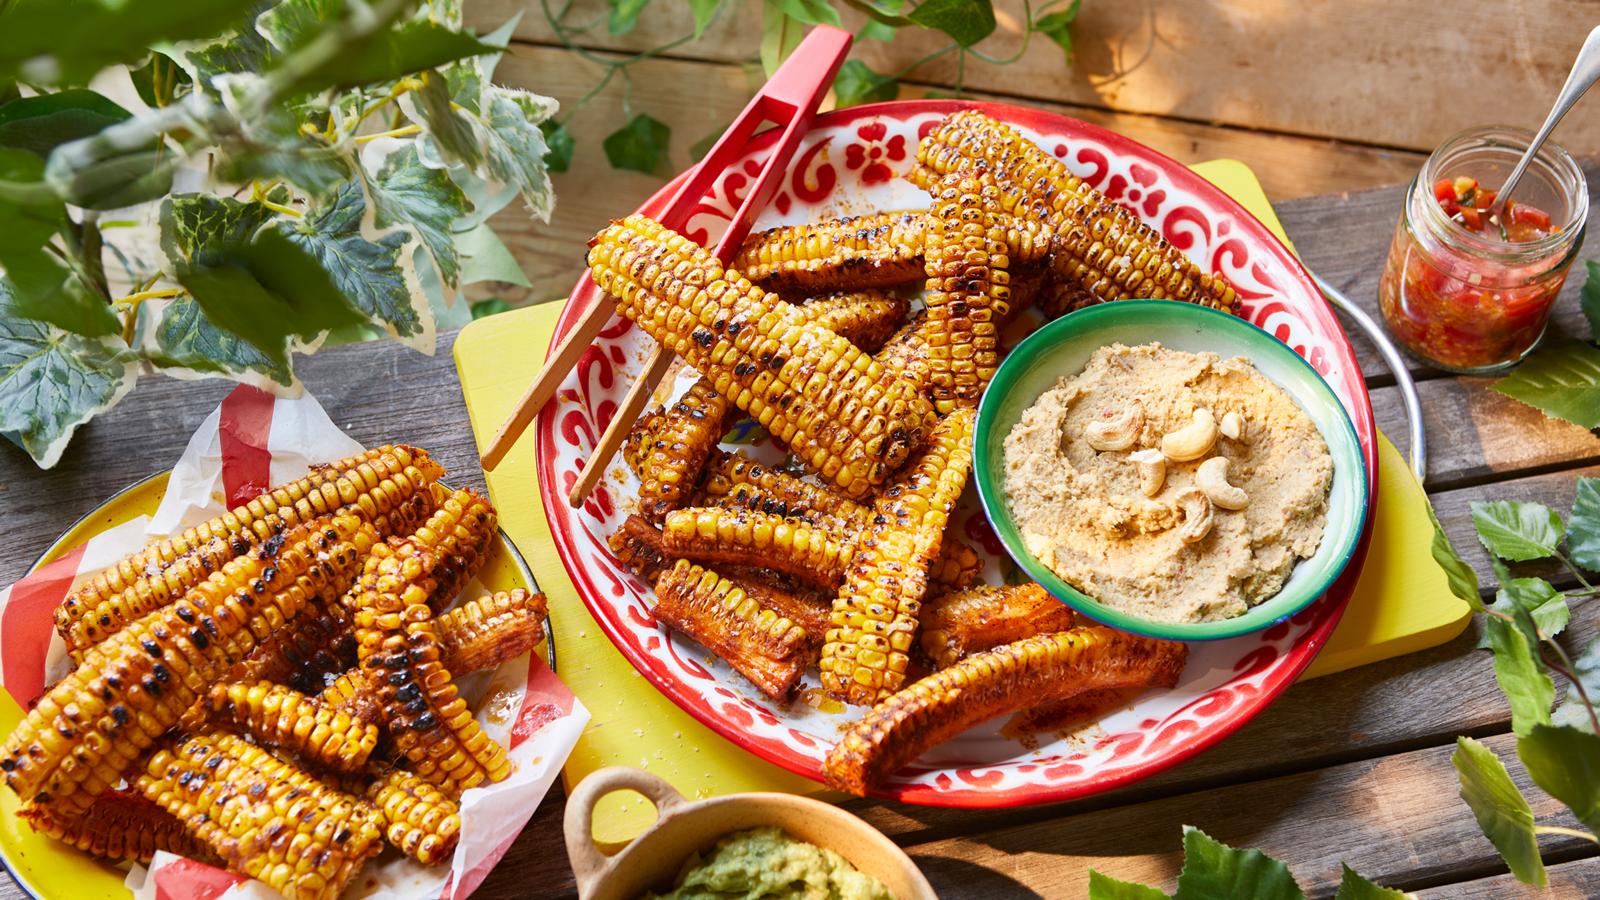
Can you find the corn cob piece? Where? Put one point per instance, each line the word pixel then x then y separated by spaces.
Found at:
pixel 865 318
pixel 874 618
pixel 118 825
pixel 398 643
pixel 86 733
pixel 642 437
pixel 955 567
pixel 874 251
pixel 483 633
pixel 354 693
pixel 418 819
pixel 1037 669
pixel 1064 715
pixel 777 492
pixel 457 536
pixel 837 411
pixel 960 624
pixel 759 643
pixel 684 437
pixel 314 648
pixel 968 289
pixel 263 816
pixel 372 486
pixel 791 546
pixel 638 545
pixel 906 352
pixel 283 717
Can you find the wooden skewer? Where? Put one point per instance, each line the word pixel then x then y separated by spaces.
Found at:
pixel 655 369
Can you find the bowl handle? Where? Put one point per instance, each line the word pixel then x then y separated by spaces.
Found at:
pixel 589 864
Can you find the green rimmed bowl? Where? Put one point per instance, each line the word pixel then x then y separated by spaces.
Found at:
pixel 1062 348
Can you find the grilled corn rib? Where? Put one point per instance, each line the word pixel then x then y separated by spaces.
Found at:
pixel 283 717
pixel 87 731
pixel 485 632
pixel 906 352
pixel 641 437
pixel 354 693
pixel 397 641
pixel 372 485
pixel 835 409
pixel 683 438
pixel 1101 251
pixel 457 536
pixel 758 642
pixel 874 618
pixel 264 816
pixel 727 473
pixel 316 646
pixel 418 819
pixel 968 289
pixel 874 251
pixel 1037 669
pixel 865 318
pixel 118 825
pixel 960 624
pixel 638 545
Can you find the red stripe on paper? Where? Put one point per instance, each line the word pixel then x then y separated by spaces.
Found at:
pixel 545 699
pixel 26 622
pixel 244 423
pixel 186 879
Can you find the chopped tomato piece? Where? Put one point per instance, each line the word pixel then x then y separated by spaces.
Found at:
pixel 1529 215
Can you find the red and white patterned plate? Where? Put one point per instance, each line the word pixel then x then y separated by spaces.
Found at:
pixel 850 163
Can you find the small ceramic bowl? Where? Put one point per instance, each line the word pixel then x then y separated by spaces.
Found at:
pixel 1062 348
pixel 652 861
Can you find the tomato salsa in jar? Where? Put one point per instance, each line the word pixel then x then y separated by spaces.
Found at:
pixel 1469 289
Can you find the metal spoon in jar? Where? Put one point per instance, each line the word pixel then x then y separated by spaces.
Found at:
pixel 1585 71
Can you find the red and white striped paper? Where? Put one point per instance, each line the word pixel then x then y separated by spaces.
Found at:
pixel 252 441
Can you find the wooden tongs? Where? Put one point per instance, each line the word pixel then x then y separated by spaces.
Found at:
pixel 789 99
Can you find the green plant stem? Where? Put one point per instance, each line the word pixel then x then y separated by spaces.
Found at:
pixel 1027 36
pixel 1575 571
pixel 1569 832
pixel 280 208
pixel 405 131
pixel 925 60
pixel 1566 668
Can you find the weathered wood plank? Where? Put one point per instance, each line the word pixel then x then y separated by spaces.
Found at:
pixel 1580 878
pixel 1324 68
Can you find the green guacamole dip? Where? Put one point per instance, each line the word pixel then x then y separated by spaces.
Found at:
pixel 768 863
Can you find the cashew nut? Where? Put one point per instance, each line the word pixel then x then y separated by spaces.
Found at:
pixel 1152 471
pixel 1117 433
pixel 1196 516
pixel 1232 426
pixel 1192 441
pixel 1212 479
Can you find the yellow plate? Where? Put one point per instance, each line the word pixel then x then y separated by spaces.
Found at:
pixel 46 868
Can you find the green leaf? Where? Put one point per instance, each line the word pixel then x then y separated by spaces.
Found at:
pixel 883 19
pixel 452 132
pixel 120 166
pixel 38 284
pixel 1517 531
pixel 1104 887
pixel 1589 298
pixel 625 14
pixel 193 223
pixel 1565 762
pixel 559 140
pixel 856 84
pixel 639 146
pixel 1562 380
pixel 244 51
pixel 405 192
pixel 1462 579
pixel 1572 710
pixel 67 41
pixel 514 147
pixel 1353 887
pixel 161 80
pixel 40 124
pixel 484 257
pixel 811 12
pixel 382 55
pixel 238 303
pixel 489 307
pixel 272 146
pixel 1213 869
pixel 780 34
pixel 966 21
pixel 1583 526
pixel 51 382
pixel 186 338
pixel 704 11
pixel 1501 810
pixel 1546 605
pixel 1057 26
pixel 1519 671
pixel 291 24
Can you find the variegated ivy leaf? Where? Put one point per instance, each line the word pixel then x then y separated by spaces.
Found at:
pixel 186 339
pixel 52 381
pixel 269 143
pixel 514 148
pixel 192 222
pixel 447 133
pixel 405 192
pixel 244 50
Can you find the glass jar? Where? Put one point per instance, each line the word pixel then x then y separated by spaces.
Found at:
pixel 1471 300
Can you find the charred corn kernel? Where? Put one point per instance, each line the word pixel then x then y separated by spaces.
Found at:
pixel 263 816
pixel 874 618
pixel 906 352
pixel 880 250
pixel 836 410
pixel 638 545
pixel 1033 670
pixel 418 819
pixel 283 717
pixel 641 438
pixel 88 730
pixel 794 547
pixel 865 318
pixel 1100 249
pixel 355 694
pixel 686 435
pixel 959 624
pixel 968 289
pixel 759 643
pixel 778 492
pixel 485 632
pixel 118 825
pixel 371 485
pixel 314 648
pixel 398 643
pixel 957 565
pixel 457 535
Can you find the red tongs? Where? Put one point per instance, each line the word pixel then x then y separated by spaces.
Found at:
pixel 789 99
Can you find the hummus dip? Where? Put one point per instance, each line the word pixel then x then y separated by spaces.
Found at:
pixel 1085 512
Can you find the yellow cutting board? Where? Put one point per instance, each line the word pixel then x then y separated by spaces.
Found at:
pixel 1397 608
